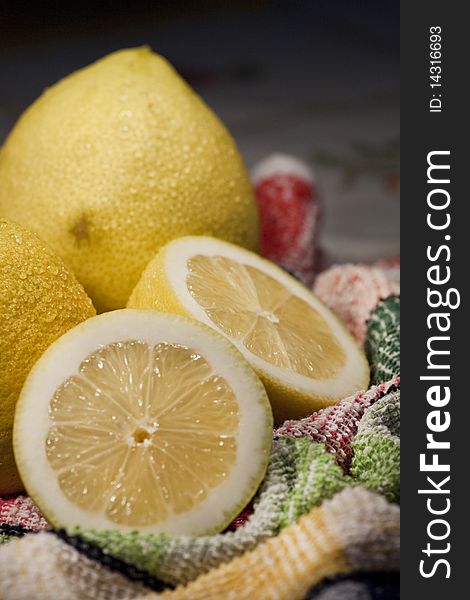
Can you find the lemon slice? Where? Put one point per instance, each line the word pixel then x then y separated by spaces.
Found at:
pixel 303 354
pixel 140 420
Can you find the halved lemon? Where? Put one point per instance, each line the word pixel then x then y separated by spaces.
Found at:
pixel 305 357
pixel 139 420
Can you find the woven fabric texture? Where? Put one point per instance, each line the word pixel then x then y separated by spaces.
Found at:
pixel 359 586
pixel 353 291
pixel 321 543
pixel 383 339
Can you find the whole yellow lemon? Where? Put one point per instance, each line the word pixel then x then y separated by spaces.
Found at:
pixel 39 301
pixel 117 159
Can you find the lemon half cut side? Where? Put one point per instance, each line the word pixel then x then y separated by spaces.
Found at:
pixel 304 355
pixel 139 420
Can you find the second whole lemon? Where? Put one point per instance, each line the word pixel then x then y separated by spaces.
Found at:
pixel 117 159
pixel 39 301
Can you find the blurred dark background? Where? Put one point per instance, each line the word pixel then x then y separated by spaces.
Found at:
pixel 318 79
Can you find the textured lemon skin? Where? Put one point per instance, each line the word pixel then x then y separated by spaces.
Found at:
pixel 117 159
pixel 154 291
pixel 39 301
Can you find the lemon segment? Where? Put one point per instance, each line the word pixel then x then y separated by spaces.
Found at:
pixel 142 420
pixel 305 357
pixel 155 396
pixel 272 323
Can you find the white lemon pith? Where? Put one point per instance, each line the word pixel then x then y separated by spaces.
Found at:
pixel 304 355
pixel 142 420
pixel 115 160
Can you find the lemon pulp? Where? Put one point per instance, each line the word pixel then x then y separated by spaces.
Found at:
pixel 153 433
pixel 253 308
